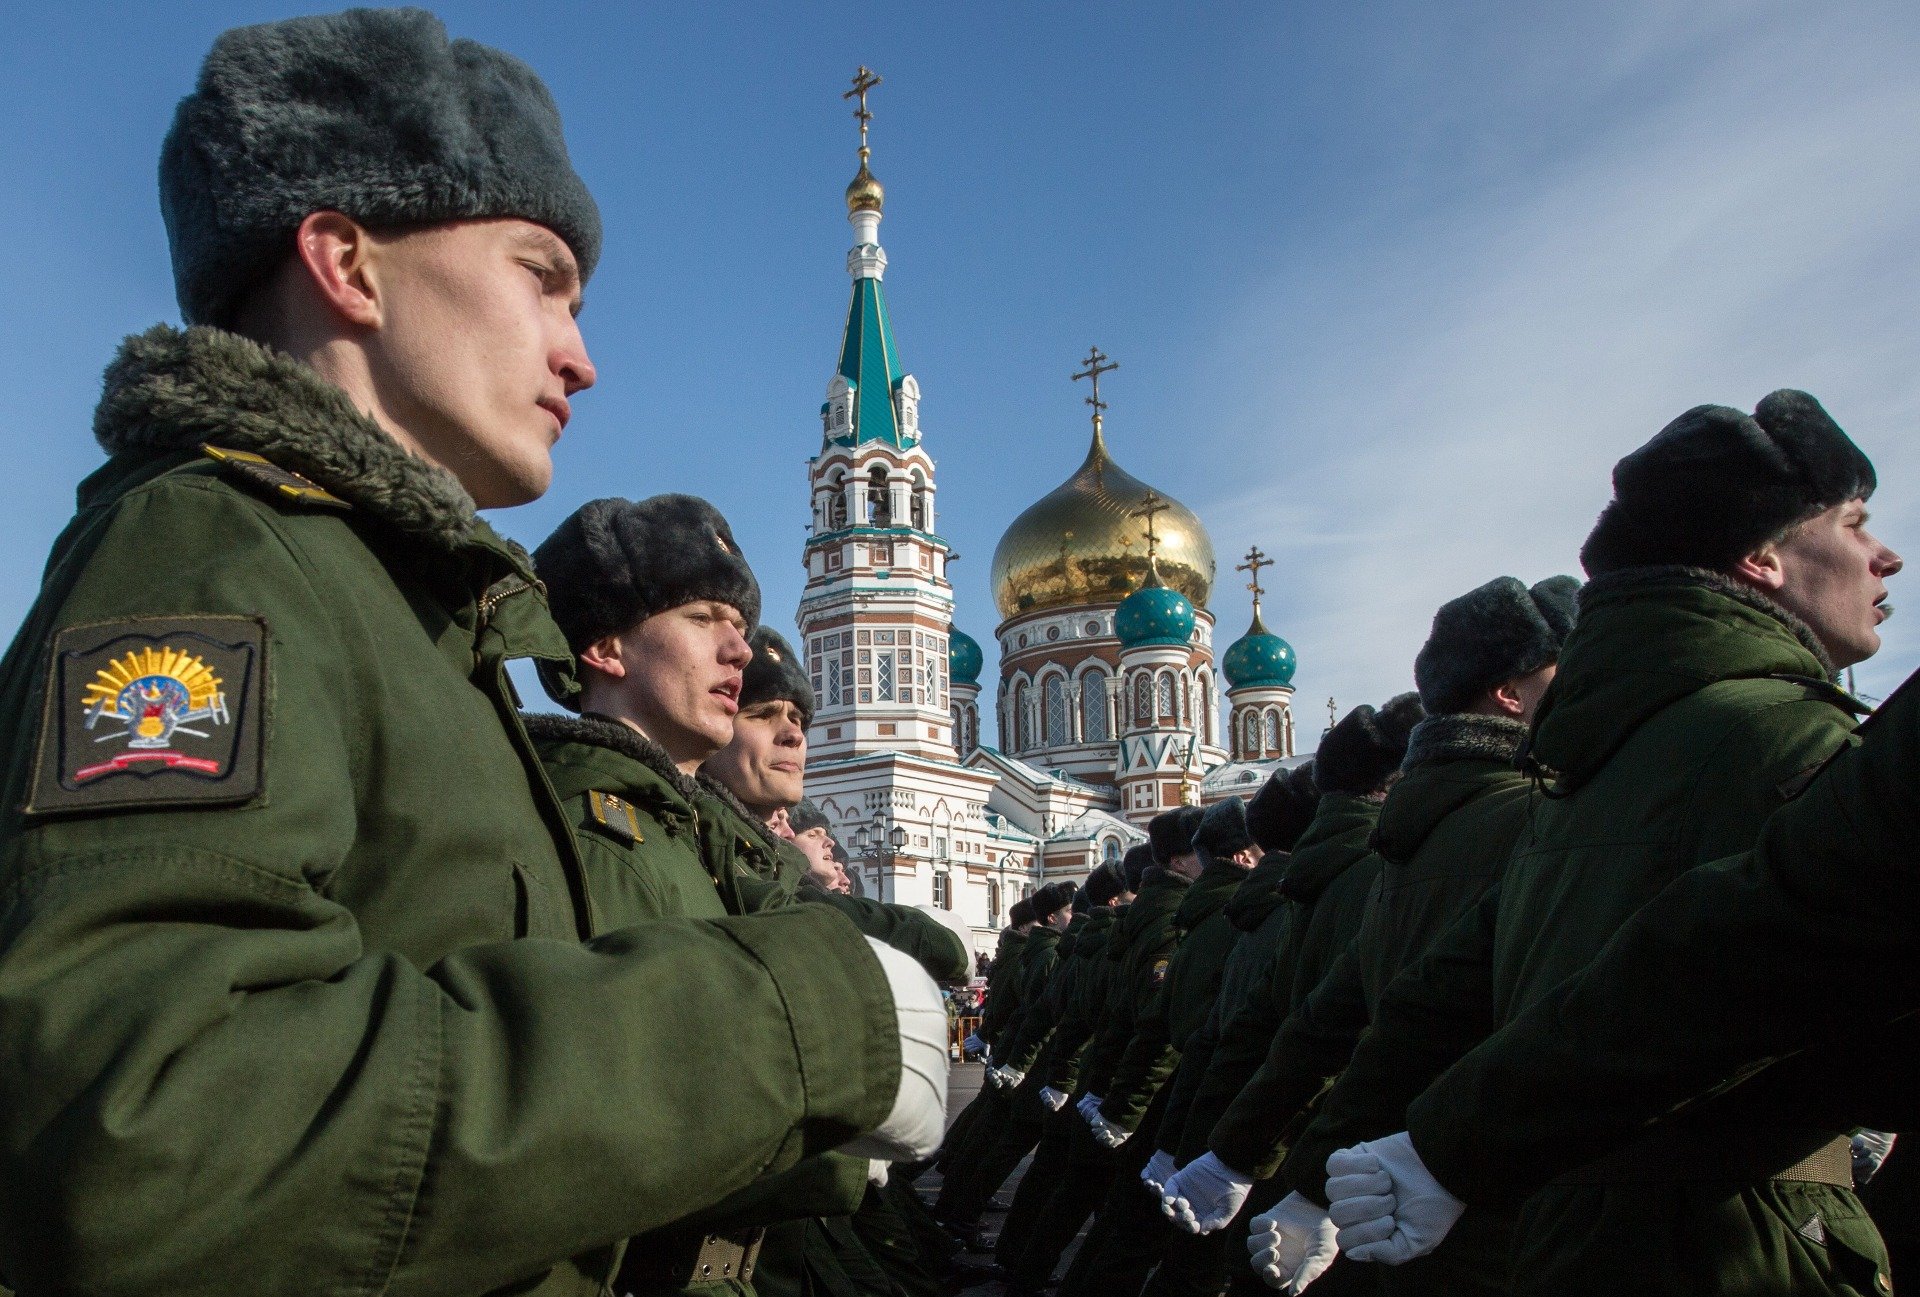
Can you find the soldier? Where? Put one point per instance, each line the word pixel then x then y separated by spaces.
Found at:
pixel 813 837
pixel 1124 1243
pixel 1732 576
pixel 299 974
pixel 1002 992
pixel 1140 954
pixel 1278 817
pixel 1806 942
pixel 1444 834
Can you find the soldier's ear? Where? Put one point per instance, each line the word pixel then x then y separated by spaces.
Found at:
pixel 605 656
pixel 337 254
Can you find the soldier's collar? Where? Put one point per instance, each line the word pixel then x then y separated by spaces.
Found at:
pixel 169 389
pixel 604 732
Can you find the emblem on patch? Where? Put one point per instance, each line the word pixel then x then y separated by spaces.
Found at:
pixel 1159 973
pixel 154 711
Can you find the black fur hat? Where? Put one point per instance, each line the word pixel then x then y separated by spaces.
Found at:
pixel 805 815
pixel 1359 754
pixel 1104 883
pixel 1490 635
pixel 776 672
pixel 1135 863
pixel 1082 902
pixel 370 112
pixel 614 563
pixel 1222 831
pixel 1715 483
pixel 1170 833
pixel 1051 899
pixel 1280 812
pixel 1021 912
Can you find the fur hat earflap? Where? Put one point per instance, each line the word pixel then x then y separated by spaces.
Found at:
pixel 776 672
pixel 1280 812
pixel 1490 635
pixel 1360 754
pixel 804 815
pixel 1715 484
pixel 1020 913
pixel 373 113
pixel 1134 865
pixel 1223 831
pixel 1105 883
pixel 614 563
pixel 1051 899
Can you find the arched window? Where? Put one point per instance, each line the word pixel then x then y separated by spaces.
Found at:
pixel 1249 734
pixel 1056 730
pixel 1022 731
pixel 918 503
pixel 1093 707
pixel 1208 708
pixel 1110 849
pixel 1166 696
pixel 837 504
pixel 879 501
pixel 1142 700
pixel 1273 729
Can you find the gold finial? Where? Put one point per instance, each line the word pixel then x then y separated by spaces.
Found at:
pixel 1255 561
pixel 1096 365
pixel 865 192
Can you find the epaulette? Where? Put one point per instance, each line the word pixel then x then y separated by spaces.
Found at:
pixel 615 816
pixel 269 479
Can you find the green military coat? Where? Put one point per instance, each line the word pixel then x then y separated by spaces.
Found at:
pixel 1685 711
pixel 1140 954
pixel 1083 998
pixel 301 986
pixel 1043 1010
pixel 1003 991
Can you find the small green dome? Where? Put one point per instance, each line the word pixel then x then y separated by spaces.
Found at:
pixel 1153 614
pixel 1258 658
pixel 964 658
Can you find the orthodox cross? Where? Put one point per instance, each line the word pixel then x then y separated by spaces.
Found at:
pixel 1096 365
pixel 863 81
pixel 1333 714
pixel 1255 561
pixel 1150 507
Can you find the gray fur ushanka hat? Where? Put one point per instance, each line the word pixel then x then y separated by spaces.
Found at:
pixel 1715 483
pixel 371 112
pixel 614 563
pixel 804 815
pixel 776 673
pixel 1492 634
pixel 1359 754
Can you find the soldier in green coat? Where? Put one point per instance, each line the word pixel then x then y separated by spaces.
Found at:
pixel 988 1109
pixel 1140 954
pixel 1124 1242
pixel 1444 834
pixel 1732 575
pixel 301 985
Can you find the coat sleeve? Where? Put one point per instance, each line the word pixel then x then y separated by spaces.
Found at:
pixel 1133 989
pixel 1042 1017
pixel 1808 941
pixel 215 1086
pixel 1181 1088
pixel 1309 1050
pixel 911 932
pixel 1431 1014
pixel 1059 1061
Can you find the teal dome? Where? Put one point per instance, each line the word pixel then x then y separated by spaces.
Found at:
pixel 964 658
pixel 1153 614
pixel 1258 658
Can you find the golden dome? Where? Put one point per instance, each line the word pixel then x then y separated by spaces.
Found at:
pixel 865 193
pixel 1079 544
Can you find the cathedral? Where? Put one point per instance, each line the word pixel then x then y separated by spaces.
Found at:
pixel 1108 705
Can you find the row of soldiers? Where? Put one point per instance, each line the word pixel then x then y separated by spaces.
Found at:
pixel 1232 1061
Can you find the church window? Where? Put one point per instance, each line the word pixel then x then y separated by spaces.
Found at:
pixel 837 509
pixel 1023 639
pixel 1022 733
pixel 879 498
pixel 884 677
pixel 1273 730
pixel 1093 628
pixel 1166 695
pixel 1056 712
pixel 839 415
pixel 833 682
pixel 920 510
pixel 943 889
pixel 1093 707
pixel 1053 632
pixel 1142 699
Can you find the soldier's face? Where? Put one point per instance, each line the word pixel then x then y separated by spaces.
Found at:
pixel 478 354
pixel 765 763
pixel 822 868
pixel 678 677
pixel 1831 573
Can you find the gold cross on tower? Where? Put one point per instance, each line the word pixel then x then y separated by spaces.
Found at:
pixel 1096 365
pixel 863 81
pixel 1151 507
pixel 1255 561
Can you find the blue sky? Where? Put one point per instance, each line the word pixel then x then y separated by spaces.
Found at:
pixel 1391 286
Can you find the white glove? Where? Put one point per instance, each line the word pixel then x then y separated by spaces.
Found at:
pixel 1388 1206
pixel 1106 1132
pixel 1870 1149
pixel 1292 1245
pixel 1054 1099
pixel 1088 1105
pixel 1158 1170
pixel 1205 1195
pixel 1009 1079
pixel 973 1046
pixel 914 1128
pixel 877 1172
pixel 994 1078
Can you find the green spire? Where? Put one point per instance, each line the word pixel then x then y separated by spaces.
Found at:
pixel 871 364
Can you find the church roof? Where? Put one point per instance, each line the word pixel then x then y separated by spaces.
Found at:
pixel 871 365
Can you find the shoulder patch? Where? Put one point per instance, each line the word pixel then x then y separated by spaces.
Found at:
pixel 614 816
pixel 269 479
pixel 1158 973
pixel 152 712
